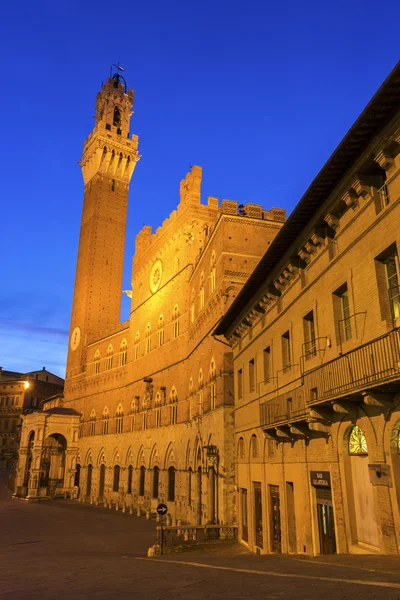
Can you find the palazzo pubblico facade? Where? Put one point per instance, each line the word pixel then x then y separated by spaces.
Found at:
pixel 147 412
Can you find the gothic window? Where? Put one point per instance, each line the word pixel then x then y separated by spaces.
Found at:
pixel 123 353
pixel 241 448
pixel 142 480
pixel 174 414
pixel 156 473
pixel 176 321
pixel 158 417
pixel 254 446
pixel 148 338
pixel 109 361
pixel 105 417
pixel 357 441
pixel 96 362
pixel 93 423
pixel 161 331
pixel 119 417
pixel 137 345
pixel 201 392
pixel 171 484
pixel 213 396
pixel 117 471
pixel 130 476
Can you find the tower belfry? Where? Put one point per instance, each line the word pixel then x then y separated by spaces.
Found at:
pixel 108 160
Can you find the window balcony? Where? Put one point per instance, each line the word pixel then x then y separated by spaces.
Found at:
pixel 367 366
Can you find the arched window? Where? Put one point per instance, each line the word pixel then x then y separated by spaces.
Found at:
pixel 142 480
pixel 123 353
pixel 240 451
pixel 395 436
pixel 192 306
pixel 105 418
pixel 117 117
pixel 81 425
pixel 213 278
pixel 96 362
pixel 148 338
pixel 92 422
pixel 213 386
pixel 201 392
pixel 119 417
pixel 171 484
pixel 176 321
pixel 109 361
pixel 161 330
pixel 201 294
pixel 130 477
pixel 254 446
pixel 137 345
pixel 117 470
pixel 173 398
pixel 156 473
pixel 357 441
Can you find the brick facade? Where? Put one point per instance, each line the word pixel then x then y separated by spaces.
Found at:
pixel 316 349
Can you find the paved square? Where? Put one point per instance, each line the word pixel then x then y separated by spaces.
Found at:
pixel 64 549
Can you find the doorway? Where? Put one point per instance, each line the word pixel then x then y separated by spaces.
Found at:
pixel 89 480
pixel 258 516
pixel 275 518
pixel 291 517
pixel 52 465
pixel 326 521
pixel 101 481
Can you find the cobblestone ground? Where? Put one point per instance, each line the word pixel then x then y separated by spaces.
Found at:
pixel 64 549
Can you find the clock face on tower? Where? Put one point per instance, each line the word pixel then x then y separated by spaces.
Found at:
pixel 155 276
pixel 75 338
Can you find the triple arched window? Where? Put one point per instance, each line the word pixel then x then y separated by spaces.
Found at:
pixel 96 362
pixel 105 419
pixel 92 421
pixel 123 353
pixel 161 331
pixel 119 418
pixel 109 360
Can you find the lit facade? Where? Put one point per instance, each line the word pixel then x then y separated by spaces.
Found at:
pixel 316 353
pixel 148 409
pixel 21 393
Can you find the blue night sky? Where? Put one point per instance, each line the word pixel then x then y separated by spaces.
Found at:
pixel 257 93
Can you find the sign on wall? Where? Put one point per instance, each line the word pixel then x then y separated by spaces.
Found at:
pixel 320 479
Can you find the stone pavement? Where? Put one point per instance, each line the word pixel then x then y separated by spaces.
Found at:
pixel 64 549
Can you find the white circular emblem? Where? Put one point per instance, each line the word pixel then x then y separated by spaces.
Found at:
pixel 155 276
pixel 75 338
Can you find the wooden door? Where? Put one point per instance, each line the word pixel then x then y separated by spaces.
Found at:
pixel 275 512
pixel 326 522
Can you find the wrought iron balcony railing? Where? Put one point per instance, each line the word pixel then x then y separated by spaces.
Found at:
pixel 370 364
pixel 284 407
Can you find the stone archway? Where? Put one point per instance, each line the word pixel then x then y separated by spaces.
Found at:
pixel 52 463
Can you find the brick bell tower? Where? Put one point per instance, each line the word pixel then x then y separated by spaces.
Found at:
pixel 108 160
